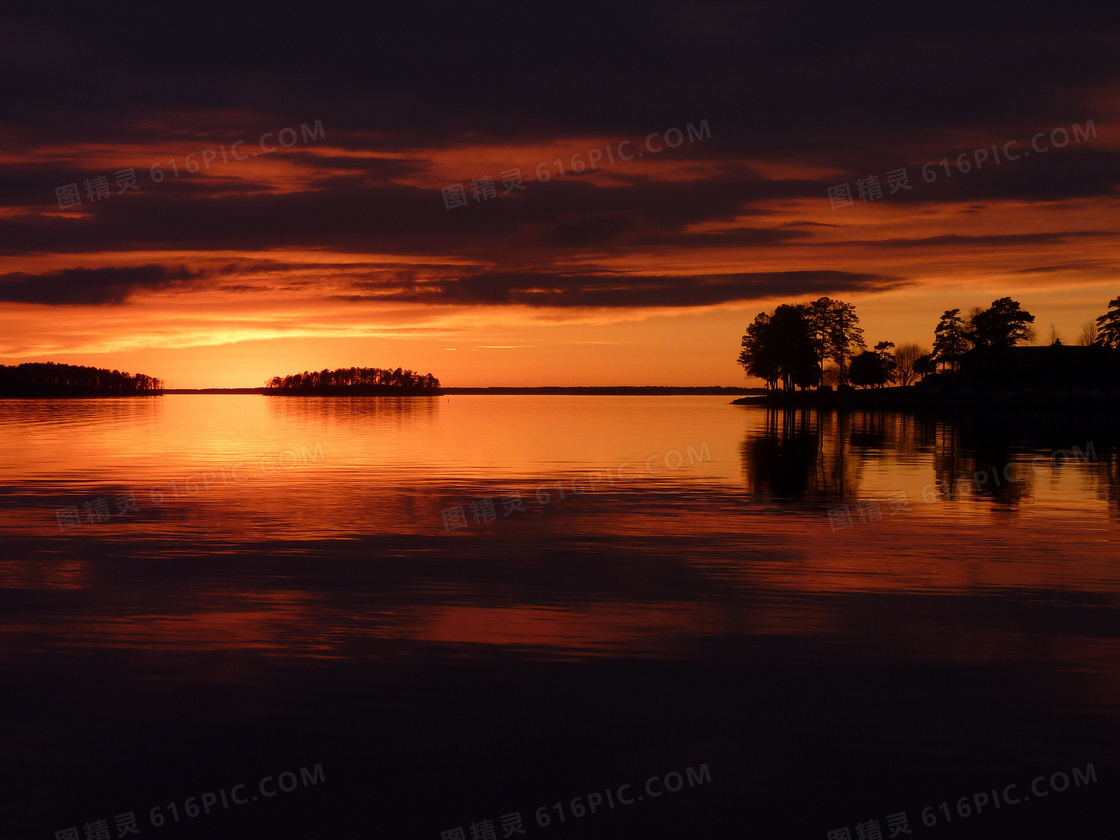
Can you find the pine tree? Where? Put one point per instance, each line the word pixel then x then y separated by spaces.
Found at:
pixel 1108 325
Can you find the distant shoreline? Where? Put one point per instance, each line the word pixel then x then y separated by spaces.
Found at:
pixel 213 390
pixel 548 390
pixel 613 390
pixel 80 395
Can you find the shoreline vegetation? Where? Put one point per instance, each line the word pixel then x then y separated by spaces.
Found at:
pixel 353 382
pixel 1035 395
pixel 1054 377
pixel 47 380
pixel 817 354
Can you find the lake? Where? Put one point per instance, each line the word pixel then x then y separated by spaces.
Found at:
pixel 550 617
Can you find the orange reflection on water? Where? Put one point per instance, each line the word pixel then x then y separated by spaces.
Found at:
pixel 210 630
pixel 348 557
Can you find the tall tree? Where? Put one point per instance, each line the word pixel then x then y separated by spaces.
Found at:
pixel 757 356
pixel 846 335
pixel 794 346
pixel 1003 324
pixel 1108 325
pixel 905 357
pixel 950 340
pixel 779 347
pixel 885 351
pixel 821 315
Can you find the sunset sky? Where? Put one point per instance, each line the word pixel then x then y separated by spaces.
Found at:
pixel 338 249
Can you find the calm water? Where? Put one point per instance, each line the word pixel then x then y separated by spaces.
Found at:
pixel 464 608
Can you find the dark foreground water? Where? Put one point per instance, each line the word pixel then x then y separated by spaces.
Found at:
pixel 571 617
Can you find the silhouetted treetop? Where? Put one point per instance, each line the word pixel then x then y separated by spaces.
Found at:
pixel 1003 324
pixel 874 368
pixel 950 340
pixel 1108 326
pixel 779 347
pixel 906 358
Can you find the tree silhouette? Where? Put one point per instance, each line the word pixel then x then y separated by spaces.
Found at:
pixel 821 315
pixel 354 380
pixel 950 340
pixel 905 358
pixel 846 335
pixel 1001 325
pixel 1108 325
pixel 874 368
pixel 789 330
pixel 757 356
pixel 780 347
pixel 792 343
pixel 885 351
pixel 865 369
pixel 47 379
pixel 925 366
pixel 1089 333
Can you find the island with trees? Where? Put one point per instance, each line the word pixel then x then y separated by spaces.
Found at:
pixel 354 382
pixel 47 380
pixel 816 352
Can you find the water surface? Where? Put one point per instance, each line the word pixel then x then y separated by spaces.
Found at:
pixel 468 606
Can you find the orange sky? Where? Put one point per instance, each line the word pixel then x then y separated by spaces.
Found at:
pixel 338 249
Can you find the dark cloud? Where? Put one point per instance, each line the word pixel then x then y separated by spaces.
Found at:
pixel 555 289
pixel 1073 265
pixel 796 90
pixel 958 240
pixel 821 81
pixel 396 218
pixel 90 286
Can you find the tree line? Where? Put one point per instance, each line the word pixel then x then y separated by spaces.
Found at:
pixel 48 378
pixel 793 344
pixel 353 380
